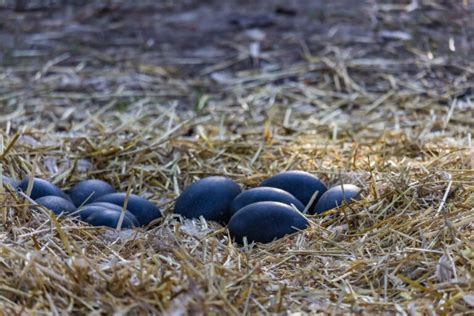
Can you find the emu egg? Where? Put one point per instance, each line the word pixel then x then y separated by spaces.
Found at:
pixel 300 184
pixel 144 210
pixel 107 205
pixel 110 218
pixel 87 211
pixel 42 188
pixel 265 222
pixel 210 197
pixel 335 196
pixel 262 194
pixel 57 204
pixel 89 190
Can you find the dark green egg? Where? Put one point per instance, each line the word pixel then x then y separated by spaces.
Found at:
pixel 107 205
pixel 265 221
pixel 110 218
pixel 210 198
pixel 42 188
pixel 302 185
pixel 144 210
pixel 89 190
pixel 89 209
pixel 335 196
pixel 57 204
pixel 262 194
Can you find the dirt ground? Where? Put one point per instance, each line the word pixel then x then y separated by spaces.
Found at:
pixel 214 40
pixel 152 95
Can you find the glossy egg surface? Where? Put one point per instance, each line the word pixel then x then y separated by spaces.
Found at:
pixel 87 210
pixel 89 190
pixel 265 221
pixel 110 218
pixel 335 196
pixel 262 194
pixel 302 185
pixel 144 210
pixel 42 188
pixel 209 197
pixel 57 204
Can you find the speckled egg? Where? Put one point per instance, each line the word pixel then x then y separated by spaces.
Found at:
pixel 89 190
pixel 335 196
pixel 210 198
pixel 302 185
pixel 262 194
pixel 265 221
pixel 87 210
pixel 57 204
pixel 144 210
pixel 110 218
pixel 42 188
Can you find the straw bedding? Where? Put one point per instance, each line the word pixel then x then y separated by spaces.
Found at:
pixel 402 135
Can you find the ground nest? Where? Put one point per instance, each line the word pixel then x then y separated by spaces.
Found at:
pixel 400 128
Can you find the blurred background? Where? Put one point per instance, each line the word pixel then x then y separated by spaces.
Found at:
pixel 191 52
pixel 194 35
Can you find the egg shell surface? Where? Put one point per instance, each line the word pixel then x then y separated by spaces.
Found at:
pixel 209 197
pixel 262 194
pixel 42 188
pixel 87 191
pixel 144 210
pixel 335 196
pixel 110 218
pixel 265 221
pixel 57 204
pixel 302 185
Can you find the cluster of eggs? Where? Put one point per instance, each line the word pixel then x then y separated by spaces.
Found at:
pixel 274 209
pixel 93 201
pixel 270 211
